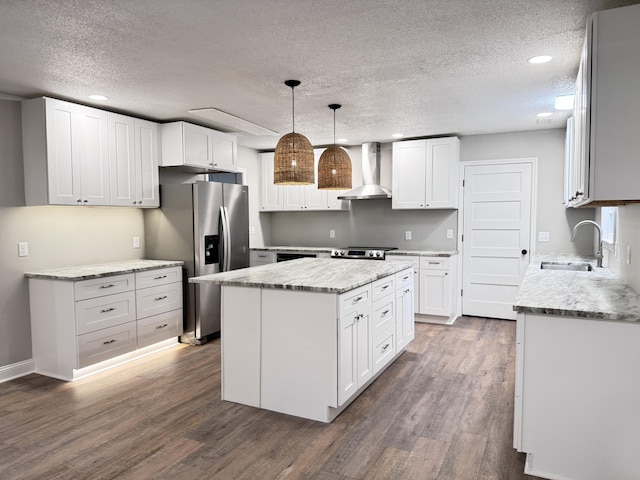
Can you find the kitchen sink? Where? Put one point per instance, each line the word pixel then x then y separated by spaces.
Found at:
pixel 574 267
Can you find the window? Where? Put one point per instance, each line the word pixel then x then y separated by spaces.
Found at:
pixel 608 223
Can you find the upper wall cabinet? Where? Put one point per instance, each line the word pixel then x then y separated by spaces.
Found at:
pixel 133 161
pixel 604 167
pixel 425 173
pixel 197 148
pixel 78 155
pixel 276 198
pixel 66 153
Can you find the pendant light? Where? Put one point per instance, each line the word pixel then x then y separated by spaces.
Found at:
pixel 293 160
pixel 334 166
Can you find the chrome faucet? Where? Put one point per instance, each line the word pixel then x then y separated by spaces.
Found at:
pixel 599 228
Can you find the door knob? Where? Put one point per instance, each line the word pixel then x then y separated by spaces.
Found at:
pixel 524 251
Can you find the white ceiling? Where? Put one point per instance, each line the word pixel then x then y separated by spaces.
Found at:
pixel 418 67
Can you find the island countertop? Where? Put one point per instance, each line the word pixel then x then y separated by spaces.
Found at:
pixel 599 294
pixel 98 270
pixel 309 274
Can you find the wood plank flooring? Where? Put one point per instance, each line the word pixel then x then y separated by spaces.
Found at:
pixel 443 410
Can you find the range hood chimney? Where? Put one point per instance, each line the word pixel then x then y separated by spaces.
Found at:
pixel 370 187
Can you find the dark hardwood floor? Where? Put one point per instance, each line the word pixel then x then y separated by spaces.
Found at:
pixel 443 410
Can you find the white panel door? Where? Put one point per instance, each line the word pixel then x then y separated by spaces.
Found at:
pixel 497 225
pixel 146 161
pixel 122 170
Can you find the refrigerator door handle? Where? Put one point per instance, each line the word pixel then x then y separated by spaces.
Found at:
pixel 226 240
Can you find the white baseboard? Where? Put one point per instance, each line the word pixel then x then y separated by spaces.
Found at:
pixel 15 370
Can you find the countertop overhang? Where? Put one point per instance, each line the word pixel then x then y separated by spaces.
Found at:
pixel 98 270
pixel 599 294
pixel 308 274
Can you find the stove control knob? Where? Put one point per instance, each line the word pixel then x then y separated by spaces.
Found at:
pixel 378 254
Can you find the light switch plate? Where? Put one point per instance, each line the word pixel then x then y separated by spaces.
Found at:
pixel 407 235
pixel 449 233
pixel 136 242
pixel 332 234
pixel 23 249
pixel 543 236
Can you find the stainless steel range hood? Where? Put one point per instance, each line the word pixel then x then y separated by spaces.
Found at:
pixel 370 187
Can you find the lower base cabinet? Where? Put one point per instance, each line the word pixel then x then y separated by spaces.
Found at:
pixel 80 324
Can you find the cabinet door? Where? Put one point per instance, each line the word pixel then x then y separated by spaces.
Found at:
pixel 442 172
pixel 315 199
pixel 63 152
pixel 224 151
pixel 122 168
pixel 355 365
pixel 94 156
pixel 434 293
pixel 271 195
pixel 146 163
pixel 293 197
pixel 197 146
pixel 409 170
pixel 404 316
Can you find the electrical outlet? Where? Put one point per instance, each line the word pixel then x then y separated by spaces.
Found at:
pixel 543 236
pixel 136 242
pixel 449 233
pixel 332 234
pixel 23 249
pixel 252 230
pixel 407 235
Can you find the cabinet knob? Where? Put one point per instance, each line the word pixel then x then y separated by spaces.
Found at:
pixel 524 251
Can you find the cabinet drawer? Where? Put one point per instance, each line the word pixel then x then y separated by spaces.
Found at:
pixel 162 276
pixel 97 287
pixel 102 312
pixel 159 327
pixel 354 300
pixel 384 349
pixel 403 278
pixel 435 263
pixel 160 299
pixel 382 315
pixel 260 257
pixel 110 342
pixel 383 287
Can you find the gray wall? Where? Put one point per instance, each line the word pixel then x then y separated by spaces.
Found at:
pixel 57 236
pixel 627 236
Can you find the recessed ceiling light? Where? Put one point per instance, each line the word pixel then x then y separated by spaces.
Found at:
pixel 398 135
pixel 544 114
pixel 540 59
pixel 342 140
pixel 98 97
pixel 564 102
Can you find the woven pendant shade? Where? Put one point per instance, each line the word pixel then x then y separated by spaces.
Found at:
pixel 334 166
pixel 334 169
pixel 293 159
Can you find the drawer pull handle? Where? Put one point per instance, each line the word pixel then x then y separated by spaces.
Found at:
pixel 407 291
pixel 113 340
pixel 385 312
pixel 162 326
pixel 161 298
pixel 405 278
pixel 106 310
pixel 160 277
pixel 356 300
pixel 385 287
pixel 358 317
pixel 435 263
pixel 385 347
pixel 108 285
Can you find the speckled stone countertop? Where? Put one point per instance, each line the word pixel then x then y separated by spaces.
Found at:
pixel 599 294
pixel 420 253
pixel 85 272
pixel 309 274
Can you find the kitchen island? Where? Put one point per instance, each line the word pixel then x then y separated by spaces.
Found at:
pixel 306 337
pixel 577 361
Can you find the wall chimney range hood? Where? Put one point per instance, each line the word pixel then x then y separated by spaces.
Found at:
pixel 370 187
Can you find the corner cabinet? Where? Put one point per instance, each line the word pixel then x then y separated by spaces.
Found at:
pixel 78 155
pixel 603 166
pixel 276 198
pixel 425 173
pixel 198 148
pixel 79 327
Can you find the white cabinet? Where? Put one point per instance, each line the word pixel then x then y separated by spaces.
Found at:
pixel 66 154
pixel 198 148
pixel 435 290
pixel 425 173
pixel 604 164
pixel 133 161
pixel 405 321
pixel 78 324
pixel 261 257
pixel 274 198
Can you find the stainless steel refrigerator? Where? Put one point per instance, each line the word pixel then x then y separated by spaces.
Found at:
pixel 206 225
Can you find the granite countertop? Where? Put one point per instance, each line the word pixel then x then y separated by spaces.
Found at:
pixel 599 294
pixel 423 253
pixel 85 272
pixel 309 274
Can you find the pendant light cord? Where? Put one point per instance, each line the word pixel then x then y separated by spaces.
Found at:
pixel 293 111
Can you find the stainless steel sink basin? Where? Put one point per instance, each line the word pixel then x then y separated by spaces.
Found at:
pixel 574 267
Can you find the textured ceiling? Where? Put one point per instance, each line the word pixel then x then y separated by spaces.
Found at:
pixel 419 67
